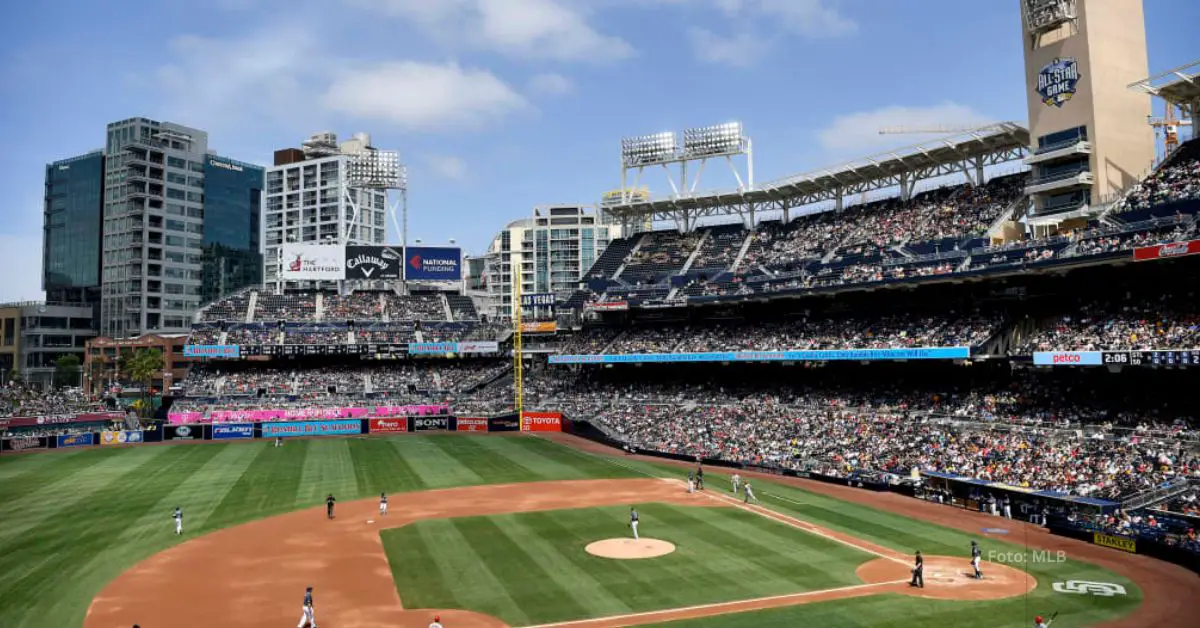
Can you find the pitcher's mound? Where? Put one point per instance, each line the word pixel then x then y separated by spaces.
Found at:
pixel 627 549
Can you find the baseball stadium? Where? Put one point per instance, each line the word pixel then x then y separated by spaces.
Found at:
pixel 945 385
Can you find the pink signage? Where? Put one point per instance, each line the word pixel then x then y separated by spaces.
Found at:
pixel 302 414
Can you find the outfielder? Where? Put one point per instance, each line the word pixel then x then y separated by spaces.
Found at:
pixel 383 503
pixel 178 517
pixel 749 494
pixel 975 556
pixel 737 481
pixel 329 502
pixel 308 617
pixel 436 623
pixel 633 521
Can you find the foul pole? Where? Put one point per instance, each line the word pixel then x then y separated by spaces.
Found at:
pixel 518 358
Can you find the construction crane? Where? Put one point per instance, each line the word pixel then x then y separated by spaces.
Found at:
pixel 936 130
pixel 1168 127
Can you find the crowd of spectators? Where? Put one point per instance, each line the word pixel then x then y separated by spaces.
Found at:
pixel 357 306
pixel 1165 323
pixel 17 399
pixel 1178 180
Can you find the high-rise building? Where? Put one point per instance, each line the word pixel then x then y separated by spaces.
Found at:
pixel 74 202
pixel 307 199
pixel 553 249
pixel 232 257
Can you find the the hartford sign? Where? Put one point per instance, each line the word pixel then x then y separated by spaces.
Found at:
pixel 541 422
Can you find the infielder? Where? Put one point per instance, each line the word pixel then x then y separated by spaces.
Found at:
pixel 918 572
pixel 329 502
pixel 699 478
pixel 383 503
pixel 308 617
pixel 975 556
pixel 633 521
pixel 178 517
pixel 749 494
pixel 737 481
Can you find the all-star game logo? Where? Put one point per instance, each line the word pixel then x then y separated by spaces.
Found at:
pixel 1057 81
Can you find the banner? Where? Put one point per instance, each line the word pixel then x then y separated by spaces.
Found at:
pixel 1125 544
pixel 1067 358
pixel 374 262
pixel 312 262
pixel 463 424
pixel 311 428
pixel 507 423
pixel 541 422
pixel 479 346
pixel 609 306
pixel 432 348
pixel 233 431
pixel 433 263
pixel 815 355
pixel 123 437
pixel 1163 251
pixel 212 351
pixel 387 426
pixel 257 416
pixel 76 440
pixel 539 299
pixel 429 424
pixel 25 443
pixel 186 417
pixel 539 327
pixel 61 419
pixel 183 432
pixel 412 410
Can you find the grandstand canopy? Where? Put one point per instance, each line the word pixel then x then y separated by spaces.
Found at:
pixel 1180 86
pixel 967 153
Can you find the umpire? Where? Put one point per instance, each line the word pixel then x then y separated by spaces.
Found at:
pixel 699 477
pixel 918 572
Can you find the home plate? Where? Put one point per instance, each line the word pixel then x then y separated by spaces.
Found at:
pixel 370 521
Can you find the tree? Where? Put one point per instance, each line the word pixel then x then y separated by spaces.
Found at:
pixel 66 370
pixel 140 367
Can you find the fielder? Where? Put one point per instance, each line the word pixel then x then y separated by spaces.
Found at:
pixel 436 623
pixel 975 556
pixel 699 478
pixel 308 617
pixel 383 503
pixel 691 482
pixel 178 517
pixel 329 502
pixel 749 494
pixel 633 521
pixel 737 481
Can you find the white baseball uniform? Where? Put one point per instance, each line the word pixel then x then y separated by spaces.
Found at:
pixel 750 494
pixel 633 522
pixel 308 617
pixel 383 505
pixel 178 517
pixel 737 480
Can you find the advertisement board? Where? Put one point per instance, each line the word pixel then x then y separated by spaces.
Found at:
pixel 507 423
pixel 186 417
pixel 464 424
pixel 538 299
pixel 1067 358
pixel 25 443
pixel 1166 251
pixel 433 263
pixel 539 327
pixel 541 422
pixel 813 355
pixel 312 428
pixel 432 348
pixel 61 419
pixel 1125 544
pixel 183 432
pixel 212 351
pixel 76 440
pixel 479 346
pixel 609 306
pixel 122 437
pixel 431 423
pixel 387 426
pixel 312 262
pixel 233 431
pixel 411 410
pixel 374 262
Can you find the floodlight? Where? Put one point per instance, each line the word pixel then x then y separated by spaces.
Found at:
pixel 718 139
pixel 642 150
pixel 376 169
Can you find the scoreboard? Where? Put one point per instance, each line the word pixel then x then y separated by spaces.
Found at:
pixel 1151 358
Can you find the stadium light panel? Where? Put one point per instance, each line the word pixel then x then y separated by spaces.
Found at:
pixel 718 139
pixel 375 169
pixel 641 150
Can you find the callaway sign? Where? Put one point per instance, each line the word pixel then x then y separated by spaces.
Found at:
pixel 373 262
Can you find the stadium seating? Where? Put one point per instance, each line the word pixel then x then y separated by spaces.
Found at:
pixel 1176 180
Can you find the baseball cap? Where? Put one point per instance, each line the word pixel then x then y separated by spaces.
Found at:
pixel 1038 619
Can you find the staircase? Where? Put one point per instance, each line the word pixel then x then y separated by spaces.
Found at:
pixel 966 263
pixel 900 250
pixel 687 265
pixel 319 314
pixel 1007 214
pixel 632 252
pixel 745 248
pixel 386 316
pixel 223 338
pixel 1174 488
pixel 446 307
pixel 251 305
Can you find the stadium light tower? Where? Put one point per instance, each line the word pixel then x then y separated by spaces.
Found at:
pixel 699 144
pixel 377 170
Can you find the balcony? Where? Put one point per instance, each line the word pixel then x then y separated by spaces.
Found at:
pixel 1054 152
pixel 1064 181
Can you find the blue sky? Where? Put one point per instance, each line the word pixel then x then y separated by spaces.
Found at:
pixel 501 105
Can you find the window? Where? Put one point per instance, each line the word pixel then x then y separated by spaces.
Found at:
pixel 195 197
pixel 176 194
pixel 176 225
pixel 176 257
pixel 195 212
pixel 196 182
pixel 174 241
pixel 195 166
pixel 175 209
pixel 176 162
pixel 176 178
pixel 195 227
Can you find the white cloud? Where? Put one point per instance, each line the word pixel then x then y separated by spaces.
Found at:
pixel 546 29
pixel 447 166
pixel 741 50
pixel 21 251
pixel 551 84
pixel 423 97
pixel 810 18
pixel 857 132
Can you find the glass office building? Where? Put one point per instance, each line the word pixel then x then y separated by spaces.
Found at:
pixel 231 259
pixel 74 202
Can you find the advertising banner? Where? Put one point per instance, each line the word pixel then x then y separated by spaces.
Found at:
pixel 233 431
pixel 432 348
pixel 1164 251
pixel 25 443
pixel 429 424
pixel 413 410
pixel 814 355
pixel 433 263
pixel 1122 543
pixel 508 423
pixel 479 346
pixel 609 306
pixel 387 426
pixel 312 262
pixel 311 428
pixel 212 351
pixel 539 299
pixel 374 262
pixel 464 424
pixel 123 437
pixel 1067 358
pixel 76 440
pixel 186 417
pixel 183 432
pixel 61 419
pixel 541 422
pixel 238 416
pixel 153 434
pixel 540 327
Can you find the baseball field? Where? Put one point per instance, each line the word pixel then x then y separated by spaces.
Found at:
pixel 490 531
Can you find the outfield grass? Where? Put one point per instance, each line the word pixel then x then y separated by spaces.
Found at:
pixel 530 568
pixel 74 520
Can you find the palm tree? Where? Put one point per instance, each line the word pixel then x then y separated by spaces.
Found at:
pixel 140 367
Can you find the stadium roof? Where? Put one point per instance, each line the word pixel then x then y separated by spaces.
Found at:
pixel 967 153
pixel 1180 86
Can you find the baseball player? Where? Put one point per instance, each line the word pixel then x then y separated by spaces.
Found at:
pixel 308 618
pixel 918 572
pixel 749 494
pixel 436 623
pixel 1007 507
pixel 975 556
pixel 633 521
pixel 737 480
pixel 178 517
pixel 329 502
pixel 383 503
pixel 1040 622
pixel 699 478
pixel 691 482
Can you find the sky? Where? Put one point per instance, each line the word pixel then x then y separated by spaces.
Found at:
pixel 498 106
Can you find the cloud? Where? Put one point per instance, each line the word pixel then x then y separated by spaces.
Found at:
pixel 857 132
pixel 447 166
pixel 542 29
pixel 23 251
pixel 757 25
pixel 423 97
pixel 551 84
pixel 739 51
pixel 810 18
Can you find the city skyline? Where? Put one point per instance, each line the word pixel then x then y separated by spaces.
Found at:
pixel 501 106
